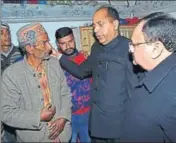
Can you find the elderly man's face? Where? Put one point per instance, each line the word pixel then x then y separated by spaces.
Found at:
pixel 105 28
pixel 5 37
pixel 140 49
pixel 42 48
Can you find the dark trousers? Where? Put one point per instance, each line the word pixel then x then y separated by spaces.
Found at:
pixel 102 140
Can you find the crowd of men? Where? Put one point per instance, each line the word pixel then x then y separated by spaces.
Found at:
pixel 124 91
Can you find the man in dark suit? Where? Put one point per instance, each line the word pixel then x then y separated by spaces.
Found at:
pixel 107 65
pixel 151 110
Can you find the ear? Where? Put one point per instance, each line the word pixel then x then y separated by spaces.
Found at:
pixel 116 24
pixel 157 49
pixel 29 49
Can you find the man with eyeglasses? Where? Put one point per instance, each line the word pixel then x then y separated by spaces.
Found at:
pixel 151 110
pixel 36 99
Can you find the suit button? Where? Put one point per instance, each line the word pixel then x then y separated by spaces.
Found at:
pixel 98 76
pixel 38 86
pixel 96 88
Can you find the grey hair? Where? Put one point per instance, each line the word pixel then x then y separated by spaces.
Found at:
pixel 5 25
pixel 160 27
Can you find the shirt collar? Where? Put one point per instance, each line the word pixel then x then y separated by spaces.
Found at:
pixel 113 43
pixel 154 77
pixel 28 67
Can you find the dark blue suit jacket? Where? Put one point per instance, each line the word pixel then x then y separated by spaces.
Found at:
pixel 151 110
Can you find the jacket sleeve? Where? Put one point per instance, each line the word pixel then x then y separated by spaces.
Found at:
pixel 12 114
pixel 66 102
pixel 82 71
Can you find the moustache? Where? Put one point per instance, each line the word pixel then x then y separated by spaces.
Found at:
pixel 69 49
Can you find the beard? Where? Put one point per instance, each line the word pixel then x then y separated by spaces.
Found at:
pixel 46 56
pixel 69 52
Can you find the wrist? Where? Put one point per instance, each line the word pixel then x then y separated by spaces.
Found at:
pixel 59 56
pixel 63 120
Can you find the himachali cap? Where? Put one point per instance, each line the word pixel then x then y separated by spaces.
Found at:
pixel 31 33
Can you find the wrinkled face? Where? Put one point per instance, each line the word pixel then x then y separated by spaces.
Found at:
pixel 42 49
pixel 67 45
pixel 105 28
pixel 5 37
pixel 140 49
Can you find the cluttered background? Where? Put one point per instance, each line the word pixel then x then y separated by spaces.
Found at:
pixel 77 14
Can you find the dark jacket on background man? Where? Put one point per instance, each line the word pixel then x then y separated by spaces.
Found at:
pixel 10 57
pixel 107 65
pixel 151 114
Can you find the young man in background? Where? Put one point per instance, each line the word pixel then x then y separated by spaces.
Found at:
pixel 80 89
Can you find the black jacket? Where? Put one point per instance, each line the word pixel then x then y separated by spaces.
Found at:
pixel 11 58
pixel 107 65
pixel 151 110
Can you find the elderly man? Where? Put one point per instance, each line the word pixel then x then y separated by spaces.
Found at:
pixel 151 111
pixel 9 55
pixel 35 97
pixel 9 52
pixel 107 64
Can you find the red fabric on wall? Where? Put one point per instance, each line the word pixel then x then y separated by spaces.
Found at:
pixel 32 1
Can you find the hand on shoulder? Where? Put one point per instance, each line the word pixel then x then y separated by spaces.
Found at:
pixel 56 54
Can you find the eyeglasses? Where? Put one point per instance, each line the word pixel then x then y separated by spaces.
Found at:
pixel 137 44
pixel 40 45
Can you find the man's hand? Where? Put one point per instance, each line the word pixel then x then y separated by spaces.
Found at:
pixel 56 127
pixel 55 53
pixel 85 53
pixel 47 113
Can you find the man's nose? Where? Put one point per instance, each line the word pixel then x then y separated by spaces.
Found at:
pixel 96 29
pixel 67 45
pixel 48 45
